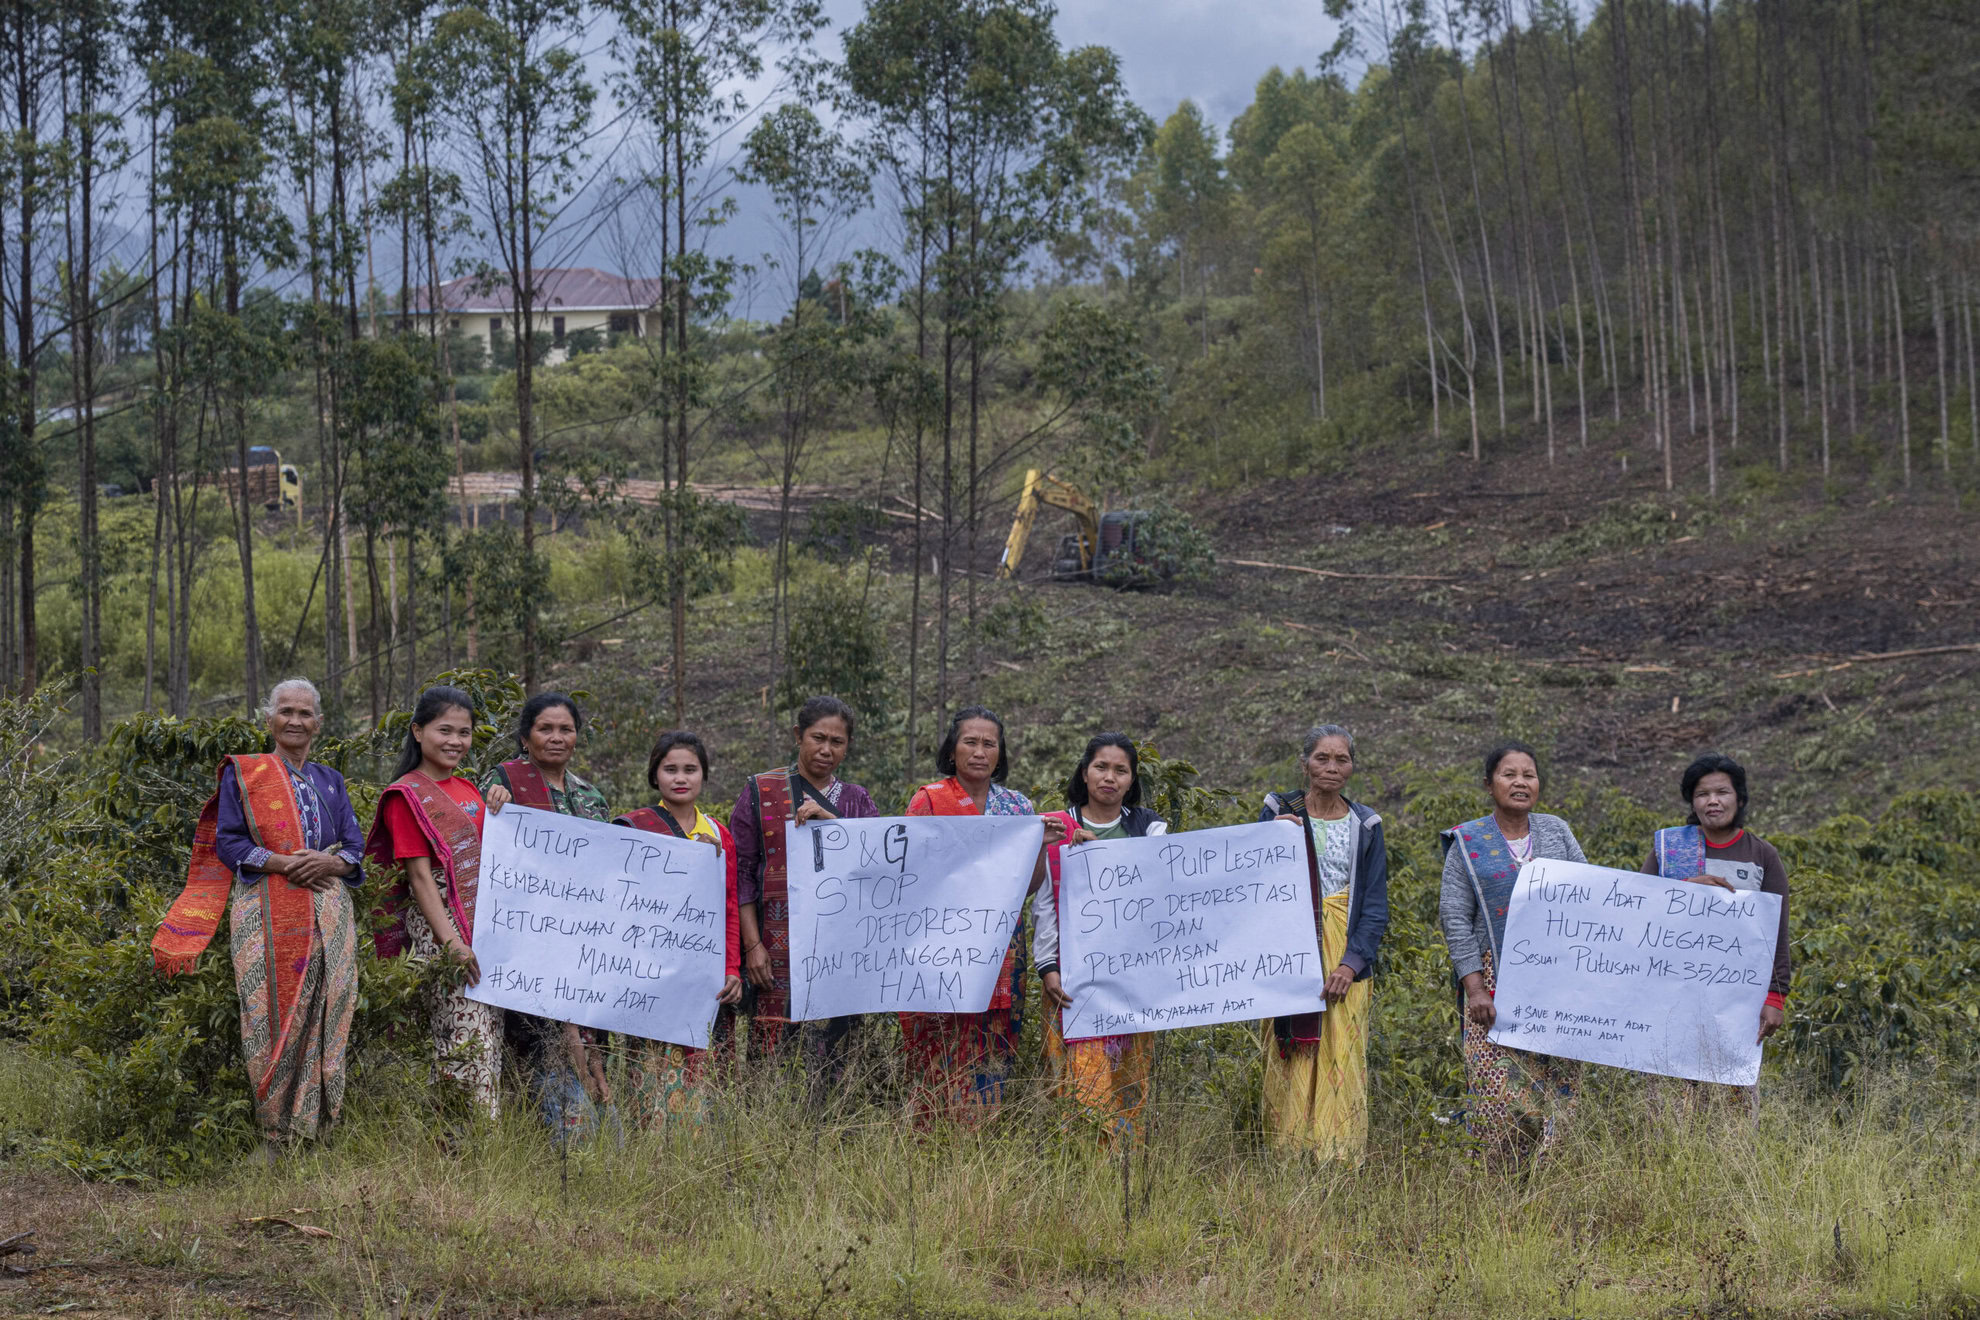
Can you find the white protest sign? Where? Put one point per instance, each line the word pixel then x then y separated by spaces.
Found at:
pixel 904 914
pixel 1183 930
pixel 1634 971
pixel 602 925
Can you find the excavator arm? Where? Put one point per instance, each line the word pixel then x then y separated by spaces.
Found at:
pixel 1039 488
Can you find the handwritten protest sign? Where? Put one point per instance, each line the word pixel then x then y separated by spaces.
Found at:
pixel 907 914
pixel 1183 930
pixel 1634 971
pixel 605 926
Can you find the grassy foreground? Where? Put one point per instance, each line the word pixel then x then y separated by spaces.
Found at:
pixel 767 1211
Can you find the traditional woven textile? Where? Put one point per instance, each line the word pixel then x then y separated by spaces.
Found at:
pixel 526 784
pixel 298 1064
pixel 286 912
pixel 771 1012
pixel 1680 852
pixel 456 845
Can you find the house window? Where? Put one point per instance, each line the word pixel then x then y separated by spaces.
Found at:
pixel 621 323
pixel 557 331
pixel 494 326
pixel 454 324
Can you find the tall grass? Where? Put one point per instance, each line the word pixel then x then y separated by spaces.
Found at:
pixel 781 1206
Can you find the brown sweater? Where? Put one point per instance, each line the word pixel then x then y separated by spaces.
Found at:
pixel 1754 850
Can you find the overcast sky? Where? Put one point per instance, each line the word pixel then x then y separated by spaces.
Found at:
pixel 1210 51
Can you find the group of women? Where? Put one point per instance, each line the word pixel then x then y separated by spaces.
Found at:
pixel 278 849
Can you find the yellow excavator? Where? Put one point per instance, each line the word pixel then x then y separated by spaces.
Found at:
pixel 1103 549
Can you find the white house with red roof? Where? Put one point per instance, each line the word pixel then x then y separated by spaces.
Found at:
pixel 568 299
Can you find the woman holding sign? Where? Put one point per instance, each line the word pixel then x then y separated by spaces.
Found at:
pixel 429 822
pixel 809 789
pixel 1714 847
pixel 1316 1064
pixel 566 1069
pixel 277 849
pixel 1519 1103
pixel 964 1058
pixel 1106 1075
pixel 666 1079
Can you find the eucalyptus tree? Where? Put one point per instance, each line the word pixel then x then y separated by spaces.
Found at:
pixel 30 59
pixel 318 47
pixel 684 67
pixel 517 104
pixel 815 183
pixel 397 485
pixel 93 148
pixel 1189 197
pixel 988 135
pixel 1289 163
pixel 434 200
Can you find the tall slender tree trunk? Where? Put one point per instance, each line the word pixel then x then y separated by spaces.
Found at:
pixel 1849 333
pixel 1939 355
pixel 1711 418
pixel 1903 380
pixel 1478 210
pixel 1430 349
pixel 1815 264
pixel 1973 377
pixel 236 391
pixel 677 604
pixel 82 352
pixel 25 495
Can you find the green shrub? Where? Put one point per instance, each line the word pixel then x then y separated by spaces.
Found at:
pixel 93 846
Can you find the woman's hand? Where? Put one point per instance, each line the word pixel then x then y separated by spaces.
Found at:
pixel 1287 815
pixel 1478 1001
pixel 1081 835
pixel 497 797
pixel 1703 879
pixel 315 870
pixel 809 810
pixel 756 963
pixel 1339 982
pixel 458 951
pixel 1055 831
pixel 1771 1020
pixel 1055 991
pixel 731 992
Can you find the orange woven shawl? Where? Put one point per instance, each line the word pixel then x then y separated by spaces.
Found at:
pixel 268 801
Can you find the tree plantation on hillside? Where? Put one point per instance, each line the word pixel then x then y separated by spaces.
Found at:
pixel 1686 235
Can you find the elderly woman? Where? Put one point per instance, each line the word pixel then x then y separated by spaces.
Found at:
pixel 278 847
pixel 1316 1064
pixel 1519 1103
pixel 1714 847
pixel 1106 1076
pixel 964 1058
pixel 565 1067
